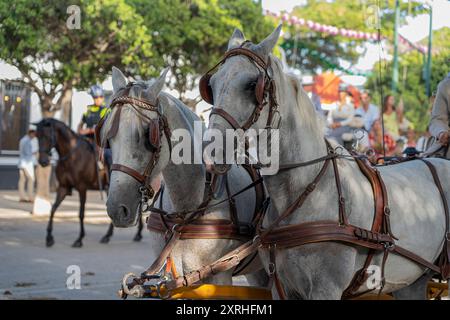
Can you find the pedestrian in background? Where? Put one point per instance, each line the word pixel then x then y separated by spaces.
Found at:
pixel 393 116
pixel 27 160
pixel 368 112
pixel 440 116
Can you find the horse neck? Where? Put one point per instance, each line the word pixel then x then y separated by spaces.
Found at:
pixel 185 183
pixel 300 141
pixel 65 140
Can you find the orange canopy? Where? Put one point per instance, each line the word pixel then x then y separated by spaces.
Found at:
pixel 326 86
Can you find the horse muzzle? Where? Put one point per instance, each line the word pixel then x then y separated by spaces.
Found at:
pixel 121 215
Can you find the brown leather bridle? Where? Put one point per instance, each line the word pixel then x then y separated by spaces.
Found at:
pixel 157 127
pixel 264 91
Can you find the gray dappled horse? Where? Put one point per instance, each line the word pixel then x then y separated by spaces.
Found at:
pixel 184 184
pixel 324 270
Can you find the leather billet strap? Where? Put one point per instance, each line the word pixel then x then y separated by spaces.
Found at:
pixel 201 229
pixel 273 272
pixel 261 199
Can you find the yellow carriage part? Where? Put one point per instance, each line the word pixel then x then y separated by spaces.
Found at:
pixel 437 290
pixel 216 292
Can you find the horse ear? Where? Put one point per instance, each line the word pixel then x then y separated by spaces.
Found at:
pixel 158 85
pixel 236 39
pixel 119 81
pixel 266 46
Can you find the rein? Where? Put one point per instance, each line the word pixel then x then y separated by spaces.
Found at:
pixel 178 225
pixel 378 239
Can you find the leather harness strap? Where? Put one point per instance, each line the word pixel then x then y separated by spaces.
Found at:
pixel 131 172
pixel 444 260
pixel 379 203
pixel 322 231
pixel 379 238
pixel 201 229
pixel 194 228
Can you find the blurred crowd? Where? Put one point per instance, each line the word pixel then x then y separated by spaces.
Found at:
pixel 359 126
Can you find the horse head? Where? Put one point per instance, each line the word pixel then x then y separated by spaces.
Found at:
pixel 45 132
pixel 241 91
pixel 134 130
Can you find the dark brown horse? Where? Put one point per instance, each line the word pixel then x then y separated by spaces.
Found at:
pixel 76 169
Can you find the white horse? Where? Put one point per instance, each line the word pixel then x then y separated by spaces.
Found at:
pixel 184 184
pixel 324 270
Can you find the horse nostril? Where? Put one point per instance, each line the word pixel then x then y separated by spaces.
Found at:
pixel 123 211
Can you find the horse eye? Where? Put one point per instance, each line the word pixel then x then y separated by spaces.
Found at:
pixel 251 85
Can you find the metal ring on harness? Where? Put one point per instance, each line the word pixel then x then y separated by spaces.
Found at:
pixel 136 291
pixel 272 269
pixel 160 285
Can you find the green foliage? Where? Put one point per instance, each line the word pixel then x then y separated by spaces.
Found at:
pixel 348 14
pixel 34 37
pixel 191 36
pixel 411 85
pixel 139 36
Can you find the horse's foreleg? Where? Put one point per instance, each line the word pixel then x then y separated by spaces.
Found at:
pixel 138 236
pixel 416 291
pixel 60 195
pixel 109 233
pixel 78 243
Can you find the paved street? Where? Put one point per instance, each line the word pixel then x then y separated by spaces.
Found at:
pixel 29 270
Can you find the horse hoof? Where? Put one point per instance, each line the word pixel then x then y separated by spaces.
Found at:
pixel 77 244
pixel 137 238
pixel 105 239
pixel 50 242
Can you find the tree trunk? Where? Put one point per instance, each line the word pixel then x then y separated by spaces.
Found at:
pixel 46 107
pixel 65 104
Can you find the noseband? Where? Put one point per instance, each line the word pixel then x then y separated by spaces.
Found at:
pixel 157 127
pixel 264 91
pixel 52 141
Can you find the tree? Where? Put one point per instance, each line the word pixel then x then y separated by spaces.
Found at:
pixel 314 52
pixel 191 36
pixel 411 87
pixel 53 59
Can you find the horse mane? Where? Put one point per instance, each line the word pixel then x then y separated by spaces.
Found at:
pixel 66 130
pixel 307 111
pixel 315 124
